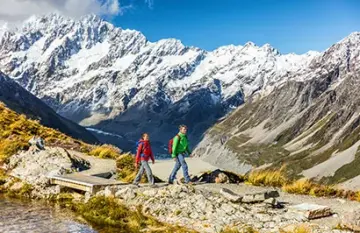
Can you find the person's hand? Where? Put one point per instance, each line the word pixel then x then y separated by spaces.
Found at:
pixel 136 165
pixel 174 159
pixel 153 162
pixel 191 155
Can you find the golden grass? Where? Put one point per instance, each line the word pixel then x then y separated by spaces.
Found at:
pixel 302 186
pixel 3 177
pixel 16 130
pixel 277 178
pixel 246 229
pixel 106 151
pixel 303 228
pixel 274 178
pixel 110 215
pixel 125 168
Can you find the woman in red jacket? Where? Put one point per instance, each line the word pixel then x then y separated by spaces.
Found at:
pixel 143 154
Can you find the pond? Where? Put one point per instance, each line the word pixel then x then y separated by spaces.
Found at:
pixel 32 216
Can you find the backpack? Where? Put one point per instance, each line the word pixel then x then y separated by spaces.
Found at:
pixel 137 146
pixel 170 144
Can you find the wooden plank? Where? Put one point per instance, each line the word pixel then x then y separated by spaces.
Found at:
pixel 73 185
pixel 86 180
pixel 83 182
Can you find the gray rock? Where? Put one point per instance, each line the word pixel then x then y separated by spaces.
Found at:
pixel 17 186
pixel 126 193
pixel 100 193
pixel 254 197
pixel 272 194
pixel 271 201
pixel 259 196
pixel 230 195
pixel 150 192
pixel 109 191
pixel 58 189
pixel 228 209
pixel 87 197
pixel 33 166
pixel 311 211
pixel 351 220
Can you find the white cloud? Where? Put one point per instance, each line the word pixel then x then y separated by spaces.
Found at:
pixel 150 3
pixel 19 10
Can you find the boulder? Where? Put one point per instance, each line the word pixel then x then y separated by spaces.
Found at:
pixel 351 221
pixel 17 186
pixel 110 191
pixel 126 193
pixel 150 192
pixel 259 196
pixel 271 201
pixel 33 167
pixel 272 194
pixel 311 211
pixel 230 195
pixel 87 196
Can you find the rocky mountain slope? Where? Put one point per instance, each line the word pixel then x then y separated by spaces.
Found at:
pixel 312 126
pixel 117 81
pixel 21 101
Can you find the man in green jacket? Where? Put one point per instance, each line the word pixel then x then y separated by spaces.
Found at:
pixel 179 149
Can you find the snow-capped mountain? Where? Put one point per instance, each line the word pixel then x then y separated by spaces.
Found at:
pixel 311 125
pixel 117 81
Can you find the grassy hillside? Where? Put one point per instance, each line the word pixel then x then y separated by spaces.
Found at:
pixel 18 99
pixel 16 130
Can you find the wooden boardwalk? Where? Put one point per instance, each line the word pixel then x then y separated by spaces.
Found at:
pixel 83 182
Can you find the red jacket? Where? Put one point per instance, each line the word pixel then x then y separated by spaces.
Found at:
pixel 144 152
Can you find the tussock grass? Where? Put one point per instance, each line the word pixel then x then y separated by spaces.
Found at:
pixel 303 228
pixel 16 130
pixel 277 178
pixel 246 229
pixel 302 186
pixel 274 178
pixel 106 151
pixel 111 215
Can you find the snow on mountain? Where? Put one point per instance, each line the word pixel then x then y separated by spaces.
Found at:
pixel 91 71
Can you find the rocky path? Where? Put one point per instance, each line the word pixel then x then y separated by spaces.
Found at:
pixel 163 168
pixel 340 207
pixel 97 165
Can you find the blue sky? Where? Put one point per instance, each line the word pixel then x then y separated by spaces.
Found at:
pixel 289 26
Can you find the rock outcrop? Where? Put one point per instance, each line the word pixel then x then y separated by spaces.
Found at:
pixel 34 166
pixel 209 211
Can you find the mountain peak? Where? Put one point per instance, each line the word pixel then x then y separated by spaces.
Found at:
pixel 91 19
pixel 250 44
pixel 268 48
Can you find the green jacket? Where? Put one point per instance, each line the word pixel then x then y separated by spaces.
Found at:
pixel 180 145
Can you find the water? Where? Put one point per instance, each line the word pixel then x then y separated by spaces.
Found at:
pixel 24 217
